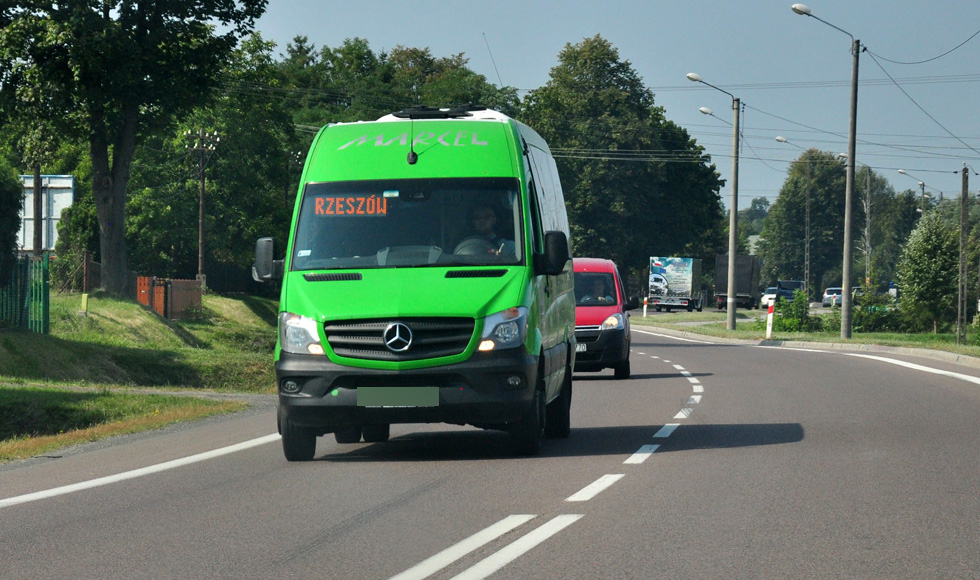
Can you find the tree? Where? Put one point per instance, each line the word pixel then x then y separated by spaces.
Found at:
pixel 635 183
pixel 928 272
pixel 750 220
pixel 116 71
pixel 11 200
pixel 820 176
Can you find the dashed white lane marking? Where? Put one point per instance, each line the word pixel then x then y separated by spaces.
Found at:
pixel 137 472
pixel 642 455
pixel 693 380
pixel 684 413
pixel 679 367
pixel 694 400
pixel 698 388
pixel 446 557
pixel 666 430
pixel 514 550
pixel 596 487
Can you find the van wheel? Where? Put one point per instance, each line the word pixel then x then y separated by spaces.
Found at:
pixel 376 433
pixel 348 435
pixel 298 443
pixel 622 369
pixel 526 434
pixel 558 423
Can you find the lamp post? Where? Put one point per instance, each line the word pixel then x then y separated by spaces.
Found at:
pixel 845 316
pixel 922 186
pixel 733 208
pixel 806 252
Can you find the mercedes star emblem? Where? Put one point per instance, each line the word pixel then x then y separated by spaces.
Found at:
pixel 397 337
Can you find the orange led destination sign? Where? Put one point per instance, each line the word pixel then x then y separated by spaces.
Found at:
pixel 351 205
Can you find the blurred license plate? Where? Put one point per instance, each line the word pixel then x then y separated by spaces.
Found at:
pixel 398 396
pixel 580 347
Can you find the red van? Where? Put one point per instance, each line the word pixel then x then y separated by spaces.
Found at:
pixel 602 324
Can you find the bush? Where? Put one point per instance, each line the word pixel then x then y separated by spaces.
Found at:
pixel 794 315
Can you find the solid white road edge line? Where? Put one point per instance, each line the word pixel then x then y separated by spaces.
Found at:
pixel 515 549
pixel 596 487
pixel 642 455
pixel 137 472
pixel 962 377
pixel 430 566
pixel 633 329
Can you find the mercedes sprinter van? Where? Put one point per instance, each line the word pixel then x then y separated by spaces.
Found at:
pixel 427 279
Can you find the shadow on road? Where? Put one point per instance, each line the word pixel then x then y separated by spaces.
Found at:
pixel 468 445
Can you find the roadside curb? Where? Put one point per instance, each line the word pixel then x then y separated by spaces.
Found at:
pixel 952 357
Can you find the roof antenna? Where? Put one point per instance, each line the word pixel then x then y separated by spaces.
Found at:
pixel 413 157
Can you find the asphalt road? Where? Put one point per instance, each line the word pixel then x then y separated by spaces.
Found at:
pixel 711 461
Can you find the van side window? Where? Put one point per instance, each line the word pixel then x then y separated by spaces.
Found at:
pixel 535 231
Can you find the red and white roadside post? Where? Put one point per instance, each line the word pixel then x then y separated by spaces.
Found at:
pixel 769 322
pixel 644 307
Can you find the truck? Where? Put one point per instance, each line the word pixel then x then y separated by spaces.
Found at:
pixel 675 283
pixel 747 291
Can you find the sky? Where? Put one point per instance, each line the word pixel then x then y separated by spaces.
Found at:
pixel 792 73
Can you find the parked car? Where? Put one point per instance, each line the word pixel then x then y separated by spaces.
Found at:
pixel 832 296
pixel 602 324
pixel 768 297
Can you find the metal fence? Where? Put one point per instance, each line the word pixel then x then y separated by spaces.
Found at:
pixel 25 298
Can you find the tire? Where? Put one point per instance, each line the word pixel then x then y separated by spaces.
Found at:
pixel 376 433
pixel 558 414
pixel 622 369
pixel 298 443
pixel 348 435
pixel 526 434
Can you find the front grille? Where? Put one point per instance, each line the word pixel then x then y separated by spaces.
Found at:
pixel 431 338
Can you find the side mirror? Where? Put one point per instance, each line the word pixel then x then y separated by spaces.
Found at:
pixel 555 256
pixel 632 303
pixel 265 268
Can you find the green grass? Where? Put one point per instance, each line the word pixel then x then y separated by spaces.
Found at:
pixel 67 387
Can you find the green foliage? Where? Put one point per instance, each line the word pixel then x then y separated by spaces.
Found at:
pixel 873 312
pixel 750 220
pixel 928 272
pixel 794 315
pixel 11 200
pixel 597 115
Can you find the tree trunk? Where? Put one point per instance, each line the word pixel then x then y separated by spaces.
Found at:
pixel 109 183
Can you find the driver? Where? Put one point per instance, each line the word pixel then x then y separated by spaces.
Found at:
pixel 484 222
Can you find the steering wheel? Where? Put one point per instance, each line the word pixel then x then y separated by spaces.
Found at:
pixel 475 246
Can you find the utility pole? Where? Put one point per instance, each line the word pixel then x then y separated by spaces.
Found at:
pixel 38 212
pixel 961 302
pixel 204 143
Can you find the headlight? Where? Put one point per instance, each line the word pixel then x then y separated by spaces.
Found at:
pixel 505 329
pixel 297 334
pixel 614 321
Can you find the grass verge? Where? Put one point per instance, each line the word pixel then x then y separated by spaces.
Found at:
pixel 66 387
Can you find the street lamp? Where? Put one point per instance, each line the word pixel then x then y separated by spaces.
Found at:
pixel 922 186
pixel 845 317
pixel 733 208
pixel 806 256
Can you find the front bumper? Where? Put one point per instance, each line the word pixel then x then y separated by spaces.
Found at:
pixel 603 348
pixel 478 391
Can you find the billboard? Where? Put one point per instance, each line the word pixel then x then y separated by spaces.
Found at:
pixel 57 193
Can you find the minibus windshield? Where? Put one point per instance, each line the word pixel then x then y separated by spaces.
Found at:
pixel 409 223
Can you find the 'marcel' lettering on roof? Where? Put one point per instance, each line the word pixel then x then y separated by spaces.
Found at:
pixel 447 139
